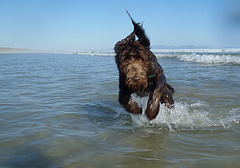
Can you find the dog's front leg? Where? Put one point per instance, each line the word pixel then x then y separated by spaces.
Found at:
pixel 154 101
pixel 127 102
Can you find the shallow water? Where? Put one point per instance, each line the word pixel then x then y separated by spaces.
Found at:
pixel 62 110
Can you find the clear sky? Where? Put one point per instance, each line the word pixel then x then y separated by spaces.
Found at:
pixel 74 25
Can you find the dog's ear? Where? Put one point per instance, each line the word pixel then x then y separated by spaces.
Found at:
pixel 140 33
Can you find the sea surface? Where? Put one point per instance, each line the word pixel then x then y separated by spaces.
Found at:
pixel 62 110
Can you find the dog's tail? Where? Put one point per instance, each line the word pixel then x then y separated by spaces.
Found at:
pixel 140 32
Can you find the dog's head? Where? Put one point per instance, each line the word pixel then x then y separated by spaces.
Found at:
pixel 136 77
pixel 135 70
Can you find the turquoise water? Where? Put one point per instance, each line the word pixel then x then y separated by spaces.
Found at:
pixel 62 110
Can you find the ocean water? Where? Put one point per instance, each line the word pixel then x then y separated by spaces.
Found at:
pixel 62 110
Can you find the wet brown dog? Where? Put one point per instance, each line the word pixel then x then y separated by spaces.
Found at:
pixel 140 73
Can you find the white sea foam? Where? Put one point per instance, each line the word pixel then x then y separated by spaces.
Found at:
pixel 210 59
pixel 216 58
pixel 224 50
pixel 185 116
pixel 96 53
pixel 233 118
pixel 200 104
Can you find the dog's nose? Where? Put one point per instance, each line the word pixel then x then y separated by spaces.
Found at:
pixel 136 79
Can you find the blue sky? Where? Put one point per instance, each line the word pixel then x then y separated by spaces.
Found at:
pixel 74 25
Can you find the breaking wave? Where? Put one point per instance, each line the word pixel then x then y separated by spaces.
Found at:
pixel 210 59
pixel 205 56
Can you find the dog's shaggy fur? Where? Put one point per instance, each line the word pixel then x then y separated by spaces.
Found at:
pixel 140 72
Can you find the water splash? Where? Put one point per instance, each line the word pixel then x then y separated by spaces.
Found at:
pixel 185 116
pixel 232 119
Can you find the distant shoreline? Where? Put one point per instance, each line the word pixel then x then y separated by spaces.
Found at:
pixel 5 50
